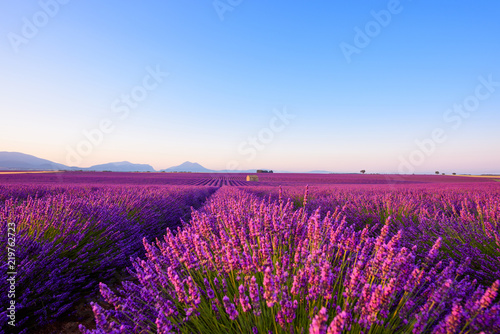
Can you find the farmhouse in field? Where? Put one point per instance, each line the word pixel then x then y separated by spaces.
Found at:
pixel 252 178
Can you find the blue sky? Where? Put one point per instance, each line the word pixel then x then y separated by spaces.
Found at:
pixel 241 84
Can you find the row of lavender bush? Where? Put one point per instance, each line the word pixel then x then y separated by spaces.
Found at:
pixel 465 216
pixel 247 265
pixel 70 238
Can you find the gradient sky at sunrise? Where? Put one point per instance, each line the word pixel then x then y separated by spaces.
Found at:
pixel 386 86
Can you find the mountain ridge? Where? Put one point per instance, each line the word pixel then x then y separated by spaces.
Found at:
pixel 188 166
pixel 22 161
pixel 123 166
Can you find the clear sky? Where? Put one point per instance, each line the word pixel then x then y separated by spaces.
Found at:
pixel 385 86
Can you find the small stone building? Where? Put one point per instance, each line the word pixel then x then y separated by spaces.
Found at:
pixel 252 178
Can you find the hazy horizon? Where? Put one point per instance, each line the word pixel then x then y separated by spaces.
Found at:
pixel 385 86
pixel 446 172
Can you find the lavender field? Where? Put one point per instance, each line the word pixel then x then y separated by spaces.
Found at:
pixel 291 253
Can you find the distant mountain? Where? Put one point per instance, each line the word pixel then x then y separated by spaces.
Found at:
pixel 21 161
pixel 319 172
pixel 123 166
pixel 188 166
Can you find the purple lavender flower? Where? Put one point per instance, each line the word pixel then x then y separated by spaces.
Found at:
pixel 318 324
pixel 230 308
pixel 452 322
pixel 244 301
pixel 253 291
pixel 194 295
pixel 270 293
pixel 338 323
pixel 163 325
pixel 210 293
pixel 434 251
pixel 178 285
pixel 490 295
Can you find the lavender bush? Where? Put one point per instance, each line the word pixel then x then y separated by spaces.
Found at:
pixel 245 265
pixel 465 216
pixel 70 238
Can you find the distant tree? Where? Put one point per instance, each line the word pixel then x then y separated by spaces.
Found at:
pixel 454 173
pixel 437 172
pixel 363 171
pixel 443 174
